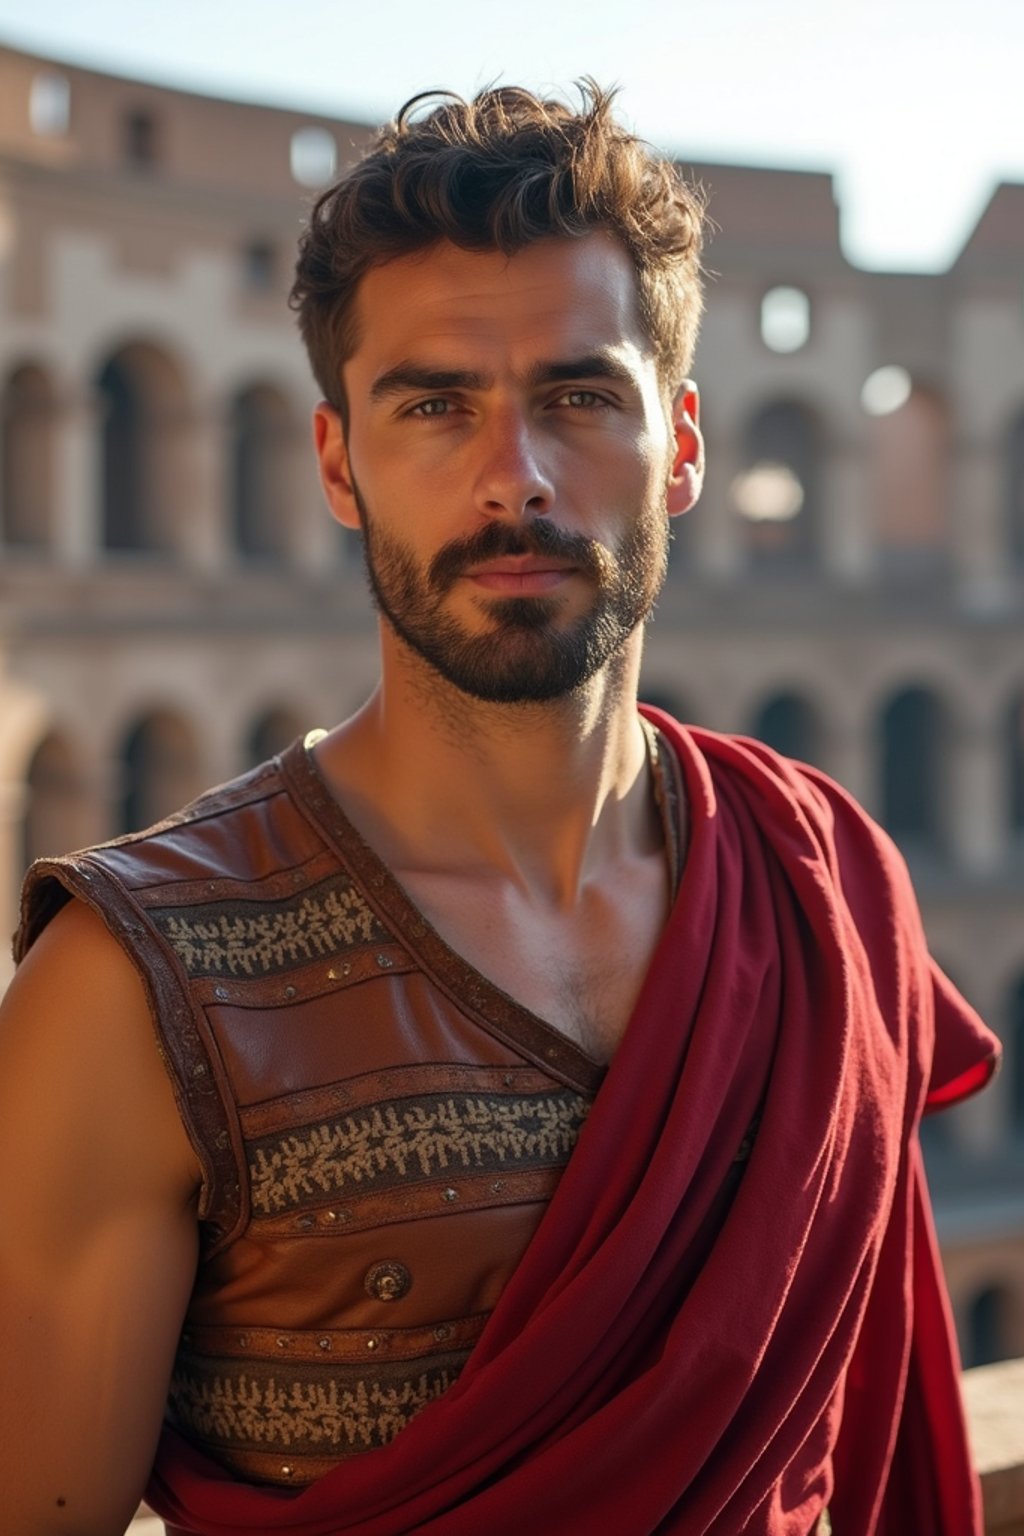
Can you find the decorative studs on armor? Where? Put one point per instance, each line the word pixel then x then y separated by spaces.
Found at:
pixel 387 1281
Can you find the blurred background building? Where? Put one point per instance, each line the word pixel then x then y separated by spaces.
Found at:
pixel 175 603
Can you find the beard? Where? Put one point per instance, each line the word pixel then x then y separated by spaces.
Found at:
pixel 526 655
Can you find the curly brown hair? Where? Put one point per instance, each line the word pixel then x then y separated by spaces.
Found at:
pixel 497 173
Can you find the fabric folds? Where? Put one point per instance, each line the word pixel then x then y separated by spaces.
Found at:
pixel 697 1341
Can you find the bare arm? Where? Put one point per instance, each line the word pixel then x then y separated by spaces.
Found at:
pixel 98 1234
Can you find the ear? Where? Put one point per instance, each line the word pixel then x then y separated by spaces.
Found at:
pixel 332 458
pixel 687 476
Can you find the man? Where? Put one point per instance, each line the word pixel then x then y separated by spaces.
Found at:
pixel 531 1139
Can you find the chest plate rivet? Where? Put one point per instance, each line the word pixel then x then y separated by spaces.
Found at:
pixel 387 1281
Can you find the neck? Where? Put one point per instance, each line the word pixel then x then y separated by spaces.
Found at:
pixel 547 795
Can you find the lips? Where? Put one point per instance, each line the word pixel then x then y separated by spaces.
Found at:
pixel 519 574
pixel 542 552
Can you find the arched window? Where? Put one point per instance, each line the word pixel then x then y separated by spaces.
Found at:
pixel 140 138
pixel 908 449
pixel 314 156
pixel 1015 1054
pixel 56 801
pixel 142 396
pixel 785 319
pixel 1015 490
pixel 159 770
pixel 260 265
pixel 787 722
pixel 259 499
pixel 912 734
pixel 49 104
pixel 1015 765
pixel 27 448
pixel 271 733
pixel 987 1326
pixel 777 492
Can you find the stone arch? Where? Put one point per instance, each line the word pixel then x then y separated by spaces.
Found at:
pixel 57 809
pixel 908 457
pixel 143 399
pixel 272 731
pixel 28 414
pixel 987 1318
pixel 777 494
pixel 1014 489
pixel 914 730
pixel 160 769
pixel 1013 730
pixel 261 431
pixel 1014 1039
pixel 789 722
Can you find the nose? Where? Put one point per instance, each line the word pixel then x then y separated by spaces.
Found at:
pixel 512 480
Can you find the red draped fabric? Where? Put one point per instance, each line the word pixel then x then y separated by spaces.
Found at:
pixel 806 1355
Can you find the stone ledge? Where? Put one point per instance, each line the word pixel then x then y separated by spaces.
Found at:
pixel 994 1399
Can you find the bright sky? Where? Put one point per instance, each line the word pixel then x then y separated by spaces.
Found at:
pixel 917 106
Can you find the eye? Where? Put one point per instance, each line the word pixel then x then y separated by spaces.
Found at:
pixel 582 399
pixel 438 407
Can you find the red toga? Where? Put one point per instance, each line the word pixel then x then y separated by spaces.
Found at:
pixel 810 1359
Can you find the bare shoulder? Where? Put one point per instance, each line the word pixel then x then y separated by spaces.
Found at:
pixel 79 1061
pixel 98 1206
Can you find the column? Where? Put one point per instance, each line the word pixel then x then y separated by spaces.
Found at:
pixel 77 522
pixel 977 537
pixel 847 552
pixel 315 543
pixel 195 489
pixel 976 832
pixel 716 536
pixel 850 755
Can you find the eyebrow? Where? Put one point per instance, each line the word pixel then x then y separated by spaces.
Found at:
pixel 410 377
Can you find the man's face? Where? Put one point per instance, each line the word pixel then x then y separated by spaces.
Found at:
pixel 510 461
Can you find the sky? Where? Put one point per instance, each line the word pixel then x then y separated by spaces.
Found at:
pixel 916 106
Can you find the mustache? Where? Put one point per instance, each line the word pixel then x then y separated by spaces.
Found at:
pixel 495 539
